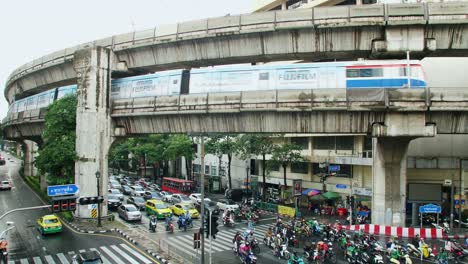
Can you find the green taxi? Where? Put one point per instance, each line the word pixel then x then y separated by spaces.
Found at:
pixel 49 224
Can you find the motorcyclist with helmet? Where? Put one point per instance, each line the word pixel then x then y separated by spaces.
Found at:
pixel 442 257
pixel 237 241
pixel 268 236
pixel 294 259
pixel 244 251
pixel 395 255
pixel 277 248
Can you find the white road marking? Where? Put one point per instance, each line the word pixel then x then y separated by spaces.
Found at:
pixel 112 255
pixel 37 260
pixel 136 254
pixel 49 259
pixel 62 258
pixel 24 261
pixel 125 255
pixel 82 250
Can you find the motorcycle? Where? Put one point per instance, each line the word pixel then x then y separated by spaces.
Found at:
pixel 283 253
pixel 298 260
pixel 268 243
pixel 182 223
pixel 153 223
pixel 293 241
pixel 353 255
pixel 255 246
pixel 170 226
pixel 426 251
pixel 249 259
pixel 228 221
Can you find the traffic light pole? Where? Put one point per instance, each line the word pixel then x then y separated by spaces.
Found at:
pixel 24 209
pixel 99 204
pixel 202 202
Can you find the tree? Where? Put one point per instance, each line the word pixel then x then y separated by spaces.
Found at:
pixel 180 146
pixel 150 149
pixel 223 144
pixel 284 155
pixel 57 153
pixel 251 144
pixel 118 155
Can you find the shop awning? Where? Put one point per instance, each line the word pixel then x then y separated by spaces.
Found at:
pixel 310 192
pixel 331 195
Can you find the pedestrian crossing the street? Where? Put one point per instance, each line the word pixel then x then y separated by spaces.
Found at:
pixel 222 242
pixel 119 254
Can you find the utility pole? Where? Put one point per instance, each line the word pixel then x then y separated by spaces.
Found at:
pixel 460 194
pixel 202 203
pixel 211 234
pixel 452 186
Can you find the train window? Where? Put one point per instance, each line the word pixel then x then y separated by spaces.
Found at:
pixel 352 73
pixel 370 73
pixel 264 76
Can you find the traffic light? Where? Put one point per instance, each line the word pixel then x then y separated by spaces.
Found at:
pixel 214 226
pixel 63 204
pixel 91 200
pixel 55 206
pixel 207 227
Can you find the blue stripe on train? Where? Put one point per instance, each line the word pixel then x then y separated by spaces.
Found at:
pixel 384 83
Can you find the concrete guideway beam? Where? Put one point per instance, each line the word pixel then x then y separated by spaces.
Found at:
pixel 391 141
pixel 30 150
pixel 93 129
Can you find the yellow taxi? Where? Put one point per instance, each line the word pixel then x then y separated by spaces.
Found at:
pixel 157 208
pixel 182 208
pixel 49 224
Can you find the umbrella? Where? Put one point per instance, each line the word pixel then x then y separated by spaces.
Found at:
pixel 316 198
pixel 331 195
pixel 310 192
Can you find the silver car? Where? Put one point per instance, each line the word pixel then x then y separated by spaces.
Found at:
pixel 138 201
pixel 137 190
pixel 129 212
pixel 117 193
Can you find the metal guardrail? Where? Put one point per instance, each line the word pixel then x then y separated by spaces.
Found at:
pixel 378 14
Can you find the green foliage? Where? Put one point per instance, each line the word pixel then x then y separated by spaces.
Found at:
pixel 118 155
pixel 251 144
pixel 33 182
pixel 284 155
pixel 67 216
pixel 57 155
pixel 223 144
pixel 179 146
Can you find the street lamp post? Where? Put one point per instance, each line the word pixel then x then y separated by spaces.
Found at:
pixel 98 175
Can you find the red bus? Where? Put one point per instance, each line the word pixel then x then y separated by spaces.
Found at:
pixel 175 185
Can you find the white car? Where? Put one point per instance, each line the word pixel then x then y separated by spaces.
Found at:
pixel 196 198
pixel 137 190
pixel 180 198
pixel 5 185
pixel 167 196
pixel 227 204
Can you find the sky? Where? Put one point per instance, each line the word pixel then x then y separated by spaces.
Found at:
pixel 30 29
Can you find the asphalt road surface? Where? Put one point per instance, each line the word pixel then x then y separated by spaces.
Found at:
pixel 27 245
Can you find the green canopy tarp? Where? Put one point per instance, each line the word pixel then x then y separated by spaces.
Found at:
pixel 331 195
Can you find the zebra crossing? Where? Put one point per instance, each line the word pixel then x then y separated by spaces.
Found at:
pixel 119 254
pixel 222 242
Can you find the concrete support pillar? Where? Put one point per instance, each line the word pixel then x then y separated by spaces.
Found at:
pixel 389 184
pixel 93 123
pixel 18 150
pixel 284 5
pixel 358 2
pixel 30 150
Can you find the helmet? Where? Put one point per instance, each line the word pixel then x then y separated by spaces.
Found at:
pixel 247 243
pixel 278 236
pixel 325 240
pixel 422 239
pixel 238 232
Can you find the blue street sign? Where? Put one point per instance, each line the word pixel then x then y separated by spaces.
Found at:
pixel 341 186
pixel 57 190
pixel 430 209
pixel 333 168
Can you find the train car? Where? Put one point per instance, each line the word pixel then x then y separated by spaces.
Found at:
pixel 157 84
pixel 66 90
pixel 356 74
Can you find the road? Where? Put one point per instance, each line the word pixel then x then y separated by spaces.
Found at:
pixel 26 245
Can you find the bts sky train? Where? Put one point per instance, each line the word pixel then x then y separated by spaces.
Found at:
pixel 349 75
